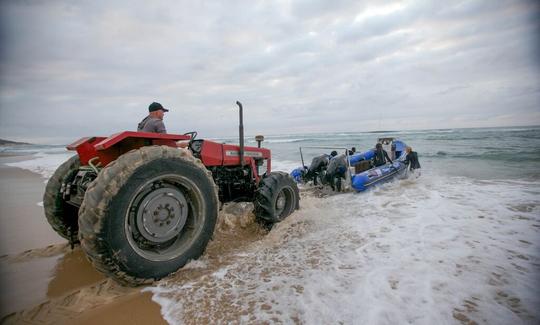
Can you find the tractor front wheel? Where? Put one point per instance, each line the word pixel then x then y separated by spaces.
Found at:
pixel 277 197
pixel 147 214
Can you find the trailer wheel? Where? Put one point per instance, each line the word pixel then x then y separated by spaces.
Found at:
pixel 276 198
pixel 147 214
pixel 61 216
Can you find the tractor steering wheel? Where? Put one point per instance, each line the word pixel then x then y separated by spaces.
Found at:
pixel 193 136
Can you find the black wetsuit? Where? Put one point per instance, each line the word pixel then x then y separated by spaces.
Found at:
pixel 381 157
pixel 336 171
pixel 412 159
pixel 318 164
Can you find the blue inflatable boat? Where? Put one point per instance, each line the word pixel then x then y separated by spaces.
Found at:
pixel 362 181
pixel 362 174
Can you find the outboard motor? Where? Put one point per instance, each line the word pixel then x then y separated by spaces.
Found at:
pixel 400 148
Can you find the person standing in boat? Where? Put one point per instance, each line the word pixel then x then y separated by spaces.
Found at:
pixel 381 156
pixel 412 161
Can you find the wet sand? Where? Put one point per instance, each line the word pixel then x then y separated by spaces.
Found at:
pixel 44 281
pixel 24 225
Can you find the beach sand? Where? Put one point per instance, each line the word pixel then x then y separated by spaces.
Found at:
pixel 24 225
pixel 43 281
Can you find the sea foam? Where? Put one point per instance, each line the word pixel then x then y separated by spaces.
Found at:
pixel 423 252
pixel 43 163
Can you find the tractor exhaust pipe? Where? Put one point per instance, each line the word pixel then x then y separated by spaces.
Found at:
pixel 241 130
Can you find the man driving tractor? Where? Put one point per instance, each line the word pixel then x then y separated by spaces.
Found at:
pixel 154 121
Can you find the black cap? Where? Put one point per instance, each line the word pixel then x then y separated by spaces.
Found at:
pixel 156 107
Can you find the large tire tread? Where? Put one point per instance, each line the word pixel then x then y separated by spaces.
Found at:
pixel 102 191
pixel 266 196
pixel 57 211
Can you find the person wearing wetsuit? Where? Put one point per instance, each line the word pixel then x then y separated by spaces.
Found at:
pixel 412 160
pixel 318 164
pixel 381 156
pixel 336 171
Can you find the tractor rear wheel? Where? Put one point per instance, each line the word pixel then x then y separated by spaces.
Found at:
pixel 62 216
pixel 277 197
pixel 147 214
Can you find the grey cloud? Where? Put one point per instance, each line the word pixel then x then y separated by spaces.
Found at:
pixel 93 67
pixel 315 9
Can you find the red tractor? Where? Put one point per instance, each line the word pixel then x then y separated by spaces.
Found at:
pixel 144 204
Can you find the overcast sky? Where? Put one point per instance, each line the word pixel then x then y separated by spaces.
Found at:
pixel 79 68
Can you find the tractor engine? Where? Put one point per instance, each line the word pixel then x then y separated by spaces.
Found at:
pixel 234 183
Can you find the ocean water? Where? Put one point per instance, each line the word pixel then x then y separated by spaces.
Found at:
pixel 461 243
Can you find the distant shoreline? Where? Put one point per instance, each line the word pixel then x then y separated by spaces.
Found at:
pixel 4 142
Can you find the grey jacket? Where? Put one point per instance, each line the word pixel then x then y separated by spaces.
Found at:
pixel 151 124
